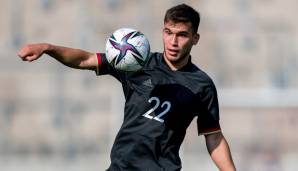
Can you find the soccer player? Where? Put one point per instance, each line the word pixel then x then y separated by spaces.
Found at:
pixel 161 99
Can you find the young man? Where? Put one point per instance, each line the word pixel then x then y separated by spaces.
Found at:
pixel 161 100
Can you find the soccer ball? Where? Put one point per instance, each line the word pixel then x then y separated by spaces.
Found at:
pixel 127 49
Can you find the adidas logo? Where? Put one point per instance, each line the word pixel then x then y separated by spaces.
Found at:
pixel 148 83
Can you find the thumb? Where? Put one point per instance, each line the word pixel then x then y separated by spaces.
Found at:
pixel 31 57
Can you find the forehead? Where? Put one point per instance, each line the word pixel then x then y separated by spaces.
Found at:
pixel 178 26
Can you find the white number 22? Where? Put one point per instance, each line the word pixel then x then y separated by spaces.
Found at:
pixel 157 103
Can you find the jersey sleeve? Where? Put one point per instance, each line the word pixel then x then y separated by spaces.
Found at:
pixel 104 68
pixel 208 118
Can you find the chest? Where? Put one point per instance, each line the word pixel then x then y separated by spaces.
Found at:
pixel 179 89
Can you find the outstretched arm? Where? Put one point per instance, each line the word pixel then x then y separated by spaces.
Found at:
pixel 74 58
pixel 219 151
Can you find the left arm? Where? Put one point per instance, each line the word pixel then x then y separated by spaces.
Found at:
pixel 219 151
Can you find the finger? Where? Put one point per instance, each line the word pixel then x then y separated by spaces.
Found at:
pixel 25 57
pixel 32 58
pixel 23 53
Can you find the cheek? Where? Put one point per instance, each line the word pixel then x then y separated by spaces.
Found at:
pixel 165 38
pixel 186 47
pixel 185 43
pixel 166 41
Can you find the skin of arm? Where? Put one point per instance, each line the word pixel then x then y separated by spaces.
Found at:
pixel 219 151
pixel 74 58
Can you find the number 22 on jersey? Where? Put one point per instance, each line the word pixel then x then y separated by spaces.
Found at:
pixel 166 105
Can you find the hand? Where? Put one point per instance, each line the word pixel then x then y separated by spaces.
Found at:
pixel 32 52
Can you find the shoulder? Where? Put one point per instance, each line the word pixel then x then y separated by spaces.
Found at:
pixel 200 76
pixel 156 54
pixel 154 60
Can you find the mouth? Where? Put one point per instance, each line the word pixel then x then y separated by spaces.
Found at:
pixel 173 52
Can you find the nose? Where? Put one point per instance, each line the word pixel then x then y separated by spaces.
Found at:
pixel 174 40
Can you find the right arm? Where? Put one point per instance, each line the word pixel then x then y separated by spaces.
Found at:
pixel 74 58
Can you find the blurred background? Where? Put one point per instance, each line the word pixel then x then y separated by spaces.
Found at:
pixel 54 118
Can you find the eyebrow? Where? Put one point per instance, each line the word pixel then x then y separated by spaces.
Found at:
pixel 183 32
pixel 180 32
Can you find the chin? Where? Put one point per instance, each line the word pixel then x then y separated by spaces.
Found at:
pixel 172 58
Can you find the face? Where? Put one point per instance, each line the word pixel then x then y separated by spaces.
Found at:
pixel 178 39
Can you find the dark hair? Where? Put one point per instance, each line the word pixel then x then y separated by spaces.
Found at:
pixel 183 13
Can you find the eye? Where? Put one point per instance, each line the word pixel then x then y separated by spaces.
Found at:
pixel 183 34
pixel 167 31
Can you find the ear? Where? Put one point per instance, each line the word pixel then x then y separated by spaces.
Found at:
pixel 196 39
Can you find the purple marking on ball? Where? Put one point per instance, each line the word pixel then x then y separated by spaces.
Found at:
pixel 124 46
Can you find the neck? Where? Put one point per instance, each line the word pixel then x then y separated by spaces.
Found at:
pixel 175 65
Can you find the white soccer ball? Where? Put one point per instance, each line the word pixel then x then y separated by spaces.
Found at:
pixel 127 49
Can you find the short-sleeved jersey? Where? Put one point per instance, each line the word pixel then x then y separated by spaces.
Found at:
pixel 159 106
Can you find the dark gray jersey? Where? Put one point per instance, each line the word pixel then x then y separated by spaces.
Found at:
pixel 159 106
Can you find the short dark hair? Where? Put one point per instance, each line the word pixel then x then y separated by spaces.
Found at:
pixel 183 13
